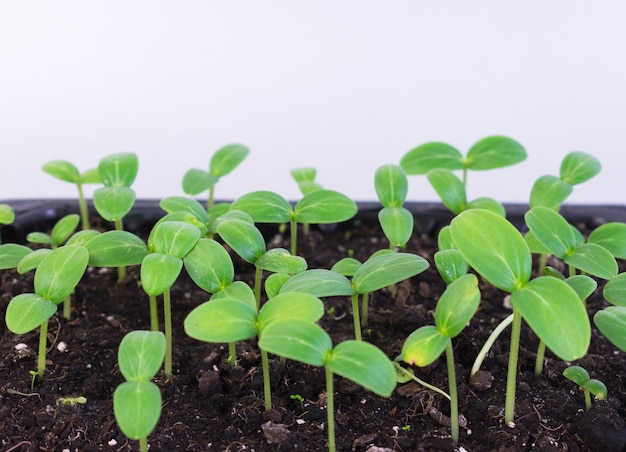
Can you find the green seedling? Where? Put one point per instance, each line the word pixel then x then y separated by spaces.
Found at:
pixel 248 242
pixel 305 178
pixel 230 320
pixel 67 172
pixel 395 220
pixel 223 161
pixel 611 236
pixel 71 401
pixel 455 309
pixel 551 191
pixel 358 361
pixel 589 385
pixel 169 243
pixel 317 207
pixel 496 250
pixel 378 271
pixel 7 215
pixel 137 401
pixel 116 198
pixel 56 276
pixel 611 321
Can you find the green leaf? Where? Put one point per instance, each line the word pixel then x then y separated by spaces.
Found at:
pixel 576 374
pixel 319 282
pixel 597 388
pixel 279 260
pixel 391 185
pixel 159 272
pixel 615 290
pixel 554 312
pixel 137 408
pixel 449 188
pixel 82 237
pixel 387 269
pixel 63 170
pixel 116 249
pixel 611 322
pixel 39 237
pixel 424 346
pixel 397 224
pixel 64 228
pixel 364 364
pixel 243 237
pixel 444 239
pixel 118 170
pixel 183 217
pixel 534 245
pixel 323 207
pixel 196 181
pixel 174 238
pixel 90 176
pixel 583 285
pixel 27 311
pixel 302 175
pixel 457 305
pixel 579 167
pixel 291 305
pixel 7 214
pixel 346 266
pixel 227 158
pixel 264 207
pixel 59 272
pixel 141 354
pixel 209 265
pixel 594 260
pixel 553 231
pixel 494 152
pixel 549 191
pixel 173 204
pixel 450 264
pixel 113 203
pixel 493 247
pixel 487 204
pixel 238 290
pixel 221 321
pixel 274 282
pixel 11 254
pixel 429 156
pixel 611 236
pixel 297 339
pixel 32 260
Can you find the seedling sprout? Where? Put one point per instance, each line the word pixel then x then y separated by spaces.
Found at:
pixel 589 385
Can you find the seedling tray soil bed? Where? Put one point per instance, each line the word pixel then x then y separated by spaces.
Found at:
pixel 208 405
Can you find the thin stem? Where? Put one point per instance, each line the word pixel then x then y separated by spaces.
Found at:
pixel 355 316
pixel 365 309
pixel 330 410
pixel 489 343
pixel 541 353
pixel 82 206
pixel 67 307
pixel 511 377
pixel 154 313
pixel 167 319
pixel 454 400
pixel 257 287
pixel 294 236
pixel 267 387
pixel 143 444
pixel 420 381
pixel 587 399
pixel 232 353
pixel 209 203
pixel 121 271
pixel 41 358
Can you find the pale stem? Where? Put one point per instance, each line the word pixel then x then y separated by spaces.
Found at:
pixel 294 236
pixel 489 343
pixel 511 377
pixel 365 309
pixel 41 358
pixel 267 388
pixel 154 313
pixel 454 400
pixel 82 206
pixel 330 410
pixel 355 316
pixel 257 287
pixel 143 444
pixel 121 271
pixel 167 319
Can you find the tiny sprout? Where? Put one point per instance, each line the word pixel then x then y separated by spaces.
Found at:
pixel 589 385
pixel 7 215
pixel 391 188
pixel 305 178
pixel 297 397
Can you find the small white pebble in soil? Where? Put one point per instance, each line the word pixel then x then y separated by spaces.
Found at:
pixel 395 429
pixel 462 449
pixel 21 346
pixel 511 424
pixel 62 347
pixel 88 366
pixel 363 401
pixel 103 270
pixel 187 295
pixel 300 421
pixel 109 318
pixel 507 302
pixel 112 442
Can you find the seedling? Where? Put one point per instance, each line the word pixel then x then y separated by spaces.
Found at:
pixel 7 215
pixel 498 252
pixel 137 401
pixel 611 321
pixel 307 342
pixel 378 271
pixel 230 320
pixel 305 178
pixel 396 221
pixel 317 207
pixel 589 385
pixel 455 309
pixel 55 278
pixel 116 198
pixel 223 161
pixel 67 172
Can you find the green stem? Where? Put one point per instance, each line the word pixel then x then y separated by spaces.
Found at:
pixel 257 287
pixel 121 271
pixel 167 319
pixel 355 316
pixel 67 307
pixel 43 342
pixel 365 309
pixel 294 236
pixel 511 377
pixel 541 266
pixel 454 400
pixel 267 387
pixel 82 206
pixel 330 410
pixel 420 381
pixel 154 313
pixel 209 203
pixel 541 353
pixel 489 343
pixel 232 353
pixel 587 399
pixel 143 444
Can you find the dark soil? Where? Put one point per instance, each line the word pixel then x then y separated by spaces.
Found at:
pixel 209 406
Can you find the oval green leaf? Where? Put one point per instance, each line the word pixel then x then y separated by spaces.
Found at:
pixel 429 156
pixel 159 272
pixel 227 158
pixel 11 254
pixel 27 311
pixel 323 207
pixel 118 170
pixel 424 346
pixel 494 152
pixel 386 269
pixel 196 181
pixel 615 290
pixel 221 321
pixel 64 228
pixel 116 249
pixel 457 305
pixel 397 225
pixel 113 203
pixel 174 238
pixel 549 191
pixel 611 322
pixel 137 408
pixel 209 265
pixel 63 170
pixel 319 282
pixel 279 260
pixel 59 272
pixel 449 188
pixel 141 354
pixel 264 207
pixel 579 167
pixel 243 237
pixel 297 339
pixel 391 185
pixel 553 231
pixel 611 236
pixel 291 305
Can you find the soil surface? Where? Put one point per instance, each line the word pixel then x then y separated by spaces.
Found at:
pixel 209 406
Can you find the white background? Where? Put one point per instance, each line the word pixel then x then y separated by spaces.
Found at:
pixel 344 86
